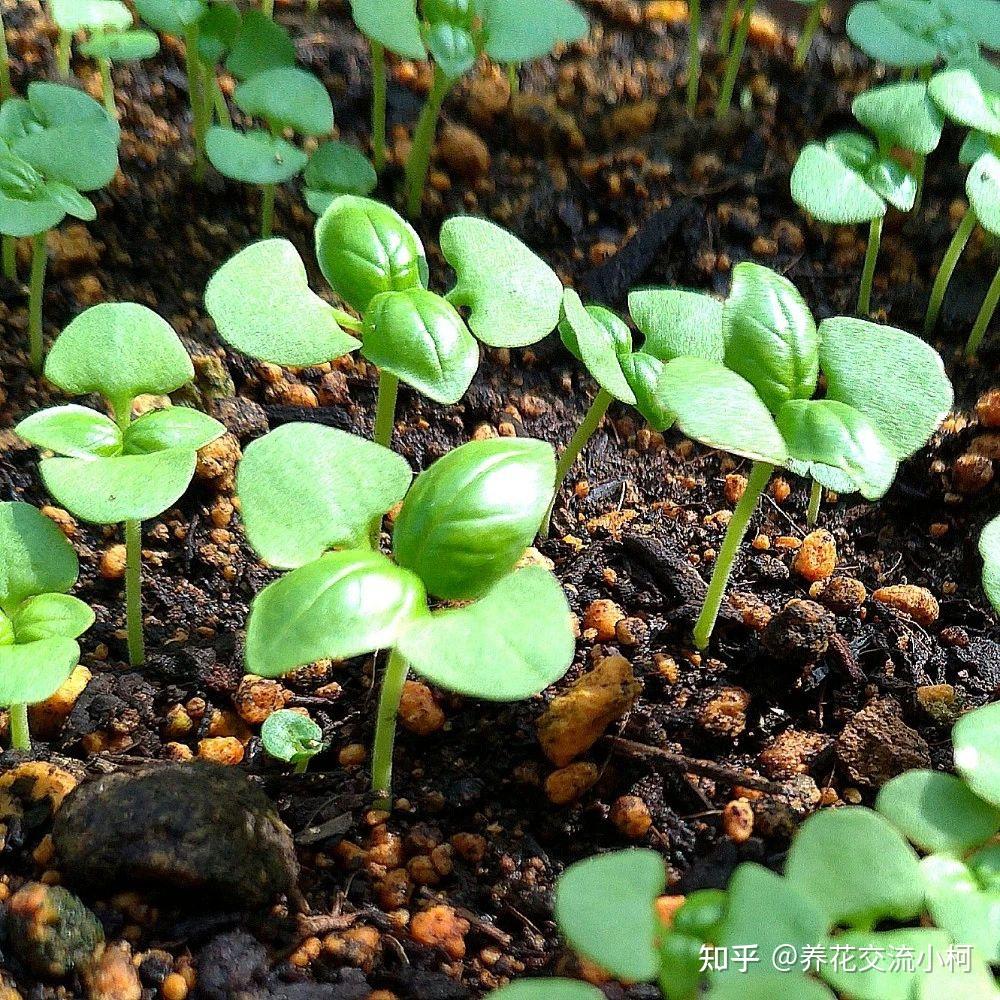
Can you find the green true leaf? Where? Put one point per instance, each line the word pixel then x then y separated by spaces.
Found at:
pixel 254 157
pixel 340 605
pixel 35 556
pixel 895 379
pixel 392 23
pixel 976 738
pixel 121 350
pixel 93 15
pixel 123 488
pixel 75 431
pixel 597 337
pixel 678 323
pixel 290 736
pixel 452 48
pixel 513 642
pixel 514 297
pixel 19 179
pixel 262 44
pixel 51 616
pixel 218 31
pixel 959 904
pixel 855 867
pixel 989 549
pixel 121 46
pixel 968 92
pixel 262 305
pixel 643 373
pixel 837 446
pixel 547 989
pixel 468 518
pixel 461 12
pixel 287 97
pixel 174 427
pixel 172 17
pixel 520 30
pixel 35 671
pixel 306 488
pixel 421 339
pixel 336 169
pixel 605 906
pixel 770 335
pixel 901 114
pixel 365 248
pixel 831 189
pixel 720 409
pixel 937 812
pixel 884 32
pixel 983 188
pixel 776 986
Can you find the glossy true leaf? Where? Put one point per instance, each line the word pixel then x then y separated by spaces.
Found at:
pixel 124 488
pixel 335 169
pixel 855 867
pixel 881 31
pixel 520 30
pixel 290 736
pixel 392 23
pixel 121 350
pixel 721 409
pixel 421 339
pixel 977 751
pixel 261 45
pixel 121 46
pixel 831 189
pixel 514 298
pixel 452 48
pixel 547 989
pixel 468 518
pixel 35 556
pixel 173 17
pixel 983 188
pixel 340 605
pixel 770 335
pixel 643 373
pixel 989 550
pixel 263 306
pixel 254 157
pixel 895 379
pixel 287 97
pixel 605 907
pixel 72 430
pixel 597 336
pixel 775 986
pixel 50 616
pixel 306 488
pixel 173 427
pixel 35 671
pixel 959 904
pixel 968 92
pixel 677 323
pixel 365 248
pixel 513 642
pixel 94 15
pixel 901 114
pixel 837 446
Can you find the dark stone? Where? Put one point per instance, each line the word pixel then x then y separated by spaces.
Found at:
pixel 346 984
pixel 230 964
pixel 876 745
pixel 800 632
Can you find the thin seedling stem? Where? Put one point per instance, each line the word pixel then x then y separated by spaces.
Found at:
pixel 64 48
pixel 20 734
pixel 195 80
pixel 267 7
pixel 36 294
pixel 948 264
pixel 385 727
pixel 808 32
pixel 734 60
pixel 985 315
pixel 815 499
pixel 10 257
pixel 107 87
pixel 871 259
pixel 385 419
pixel 726 28
pixel 133 593
pixel 514 81
pixel 423 139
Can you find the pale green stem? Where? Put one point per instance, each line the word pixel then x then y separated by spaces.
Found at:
pixel 6 88
pixel 385 420
pixel 64 48
pixel 385 728
pixel 919 171
pixel 133 565
pixel 107 86
pixel 760 473
pixel 871 259
pixel 948 264
pixel 907 74
pixel 301 766
pixel 591 421
pixel 423 141
pixel 36 295
pixel 312 6
pixel 267 211
pixel 808 31
pixel 984 317
pixel 195 80
pixel 734 60
pixel 9 257
pixel 726 29
pixel 20 734
pixel 267 6
pixel 219 101
pixel 379 99
pixel 512 78
pixel 815 499
pixel 694 54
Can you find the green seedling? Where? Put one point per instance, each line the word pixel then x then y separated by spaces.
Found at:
pixel 119 471
pixel 39 621
pixel 309 495
pixel 814 17
pixel 54 145
pixel 287 99
pixel 292 737
pixel 453 34
pixel 334 169
pixel 375 263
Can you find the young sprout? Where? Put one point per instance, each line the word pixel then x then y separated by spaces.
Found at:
pixel 286 99
pixel 54 145
pixel 90 16
pixel 308 495
pixel 292 737
pixel 119 471
pixel 39 621
pixel 814 17
pixel 335 168
pixel 734 49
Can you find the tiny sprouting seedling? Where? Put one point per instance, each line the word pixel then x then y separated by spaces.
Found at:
pixel 334 169
pixel 39 621
pixel 292 737
pixel 453 33
pixel 119 471
pixel 375 263
pixel 90 16
pixel 286 99
pixel 309 494
pixel 55 144
pixel 814 17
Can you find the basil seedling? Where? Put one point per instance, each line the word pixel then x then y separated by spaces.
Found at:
pixel 309 495
pixel 119 471
pixel 292 737
pixel 54 145
pixel 39 621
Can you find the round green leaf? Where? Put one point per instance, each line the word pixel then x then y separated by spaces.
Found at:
pixel 306 488
pixel 960 905
pixel 287 97
pixel 720 409
pixel 520 30
pixel 174 427
pixel 855 867
pixel 121 46
pixel 121 350
pixel 172 17
pixel 35 556
pixel 902 114
pixel 828 188
pixel 421 338
pixel 262 44
pixel 124 488
pixel 513 642
pixel 53 104
pixel 989 549
pixel 976 738
pixel 94 15
pixel 895 379
pixel 365 248
pixel 968 92
pixel 597 344
pixel 983 188
pixel 35 671
pixel 335 169
pixel 605 906
pixel 50 616
pixel 468 518
pixel 29 218
pixel 392 23
pixel 676 323
pixel 254 157
pixel 452 48
pixel 262 305
pixel 218 31
pixel 74 431
pixel 338 606
pixel 643 373
pixel 291 736
pixel 882 31
pixel 547 989
pixel 514 297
